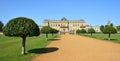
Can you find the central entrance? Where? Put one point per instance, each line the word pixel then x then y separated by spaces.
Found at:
pixel 64 29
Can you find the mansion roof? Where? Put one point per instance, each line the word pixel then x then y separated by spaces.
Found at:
pixel 64 20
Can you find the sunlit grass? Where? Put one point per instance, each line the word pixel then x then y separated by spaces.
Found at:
pixel 114 37
pixel 10 47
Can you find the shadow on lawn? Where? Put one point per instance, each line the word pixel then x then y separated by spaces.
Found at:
pixel 43 50
pixel 53 39
pixel 111 39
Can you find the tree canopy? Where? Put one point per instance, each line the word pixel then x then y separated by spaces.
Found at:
pixel 21 27
pixel 110 30
pixel 101 27
pixel 46 29
pixel 82 31
pixel 91 30
pixel 54 30
pixel 78 31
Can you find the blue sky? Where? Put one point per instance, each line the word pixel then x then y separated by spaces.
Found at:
pixel 94 12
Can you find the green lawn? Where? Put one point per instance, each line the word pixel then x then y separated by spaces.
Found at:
pixel 114 37
pixel 10 47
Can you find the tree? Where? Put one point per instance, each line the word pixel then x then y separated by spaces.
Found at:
pixel 106 25
pixel 102 27
pixel 78 31
pixel 53 31
pixel 111 24
pixel 82 31
pixel 109 30
pixel 91 31
pixel 46 30
pixel 21 27
pixel 1 25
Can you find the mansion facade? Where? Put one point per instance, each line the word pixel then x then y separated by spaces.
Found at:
pixel 65 25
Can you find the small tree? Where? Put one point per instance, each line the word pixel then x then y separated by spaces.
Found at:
pixel 106 25
pixel 53 31
pixel 111 24
pixel 91 31
pixel 78 31
pixel 109 30
pixel 21 27
pixel 1 25
pixel 46 30
pixel 82 31
pixel 102 27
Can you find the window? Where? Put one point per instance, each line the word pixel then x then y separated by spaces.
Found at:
pixel 58 24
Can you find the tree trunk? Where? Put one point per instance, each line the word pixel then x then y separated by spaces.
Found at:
pixel 91 34
pixel 52 34
pixel 109 36
pixel 23 45
pixel 46 36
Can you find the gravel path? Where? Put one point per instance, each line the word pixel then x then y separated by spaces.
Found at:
pixel 80 48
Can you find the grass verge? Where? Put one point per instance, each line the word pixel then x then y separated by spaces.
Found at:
pixel 114 37
pixel 10 47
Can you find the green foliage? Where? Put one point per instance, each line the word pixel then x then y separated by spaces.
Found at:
pixel 101 27
pixel 1 25
pixel 82 31
pixel 109 30
pixel 54 31
pixel 78 31
pixel 106 25
pixel 46 29
pixel 111 25
pixel 21 27
pixel 91 30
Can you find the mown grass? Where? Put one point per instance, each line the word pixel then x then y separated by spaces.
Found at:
pixel 114 37
pixel 10 47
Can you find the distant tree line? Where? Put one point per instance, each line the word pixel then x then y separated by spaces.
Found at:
pixel 83 31
pixel 106 29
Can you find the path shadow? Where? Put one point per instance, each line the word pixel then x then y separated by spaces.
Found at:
pixel 58 36
pixel 43 50
pixel 53 39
